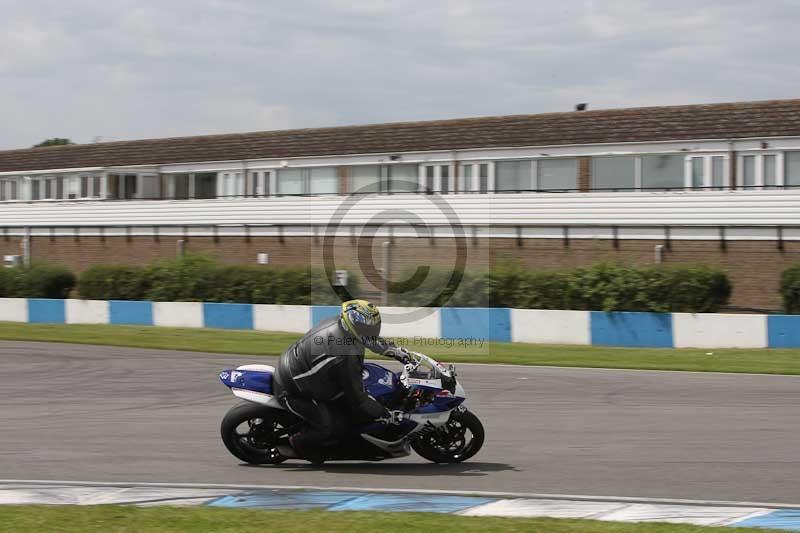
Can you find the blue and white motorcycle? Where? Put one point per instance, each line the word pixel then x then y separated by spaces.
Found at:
pixel 427 399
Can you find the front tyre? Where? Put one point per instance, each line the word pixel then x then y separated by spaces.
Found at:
pixel 251 432
pixel 456 441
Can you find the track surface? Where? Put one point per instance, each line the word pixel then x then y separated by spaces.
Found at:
pixel 71 412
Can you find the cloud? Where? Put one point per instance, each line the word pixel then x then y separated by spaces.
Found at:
pixel 127 69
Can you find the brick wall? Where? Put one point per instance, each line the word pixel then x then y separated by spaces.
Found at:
pixel 754 266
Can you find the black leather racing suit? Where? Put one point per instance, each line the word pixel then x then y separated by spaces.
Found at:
pixel 319 378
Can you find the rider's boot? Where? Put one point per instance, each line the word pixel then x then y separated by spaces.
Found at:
pixel 287 451
pixel 312 454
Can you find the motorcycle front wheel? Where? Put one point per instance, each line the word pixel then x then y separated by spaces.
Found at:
pixel 251 432
pixel 458 440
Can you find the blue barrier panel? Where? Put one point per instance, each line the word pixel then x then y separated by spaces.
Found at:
pixel 41 311
pixel 493 324
pixel 783 331
pixel 133 313
pixel 652 330
pixel 228 316
pixel 321 312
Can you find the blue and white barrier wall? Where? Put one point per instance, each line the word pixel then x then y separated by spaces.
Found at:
pixel 660 330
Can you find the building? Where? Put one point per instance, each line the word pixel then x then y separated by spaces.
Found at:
pixel 715 184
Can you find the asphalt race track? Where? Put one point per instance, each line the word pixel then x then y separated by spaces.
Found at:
pixel 116 414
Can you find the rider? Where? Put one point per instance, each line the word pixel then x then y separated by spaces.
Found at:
pixel 319 377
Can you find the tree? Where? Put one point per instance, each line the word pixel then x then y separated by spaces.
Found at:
pixel 55 141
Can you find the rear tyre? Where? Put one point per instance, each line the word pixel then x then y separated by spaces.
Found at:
pixel 251 432
pixel 458 440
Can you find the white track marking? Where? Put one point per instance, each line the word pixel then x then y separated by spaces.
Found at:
pixel 568 497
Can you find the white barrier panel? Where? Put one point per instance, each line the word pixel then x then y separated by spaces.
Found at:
pixel 13 310
pixel 719 331
pixel 544 326
pixel 410 322
pixel 292 318
pixel 178 314
pixel 87 312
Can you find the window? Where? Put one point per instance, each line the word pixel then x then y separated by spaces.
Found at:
pixel 436 179
pixel 261 183
pixel 444 179
pixel 290 181
pixel 149 187
pixel 483 177
pixel 430 178
pixel 792 176
pixel 365 179
pixel 708 172
pixel 180 187
pixel 323 180
pixel 35 190
pixel 718 172
pixel 317 180
pixel 770 168
pixel 131 183
pixel 616 172
pixel 663 171
pixel 205 185
pixel 232 184
pixel 557 174
pixel 3 190
pixel 466 178
pixel 112 186
pixel 698 172
pixel 476 177
pixel 513 176
pixel 748 171
pixel 401 178
pixel 384 178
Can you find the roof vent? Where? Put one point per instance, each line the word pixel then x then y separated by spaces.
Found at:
pixel 581 107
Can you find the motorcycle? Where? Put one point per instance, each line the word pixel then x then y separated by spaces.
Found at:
pixel 425 396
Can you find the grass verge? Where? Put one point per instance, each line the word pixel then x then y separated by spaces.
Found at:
pixel 68 518
pixel 763 361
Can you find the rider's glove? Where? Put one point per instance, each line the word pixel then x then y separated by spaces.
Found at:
pixel 398 353
pixel 387 348
pixel 392 417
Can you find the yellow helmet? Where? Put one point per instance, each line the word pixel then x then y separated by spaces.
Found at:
pixel 362 319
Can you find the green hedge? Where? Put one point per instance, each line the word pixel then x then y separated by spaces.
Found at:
pixel 37 281
pixel 790 289
pixel 200 279
pixel 112 282
pixel 601 287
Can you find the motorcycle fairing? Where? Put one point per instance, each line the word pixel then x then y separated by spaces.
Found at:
pixel 252 383
pixel 379 381
pixel 256 378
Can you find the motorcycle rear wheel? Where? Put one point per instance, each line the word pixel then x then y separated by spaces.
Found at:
pixel 263 427
pixel 451 444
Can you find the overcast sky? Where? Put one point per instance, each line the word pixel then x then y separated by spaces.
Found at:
pixel 128 69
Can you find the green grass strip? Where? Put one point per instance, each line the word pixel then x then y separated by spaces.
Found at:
pixel 111 518
pixel 761 361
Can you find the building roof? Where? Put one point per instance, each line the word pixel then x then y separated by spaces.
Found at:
pixel 775 118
